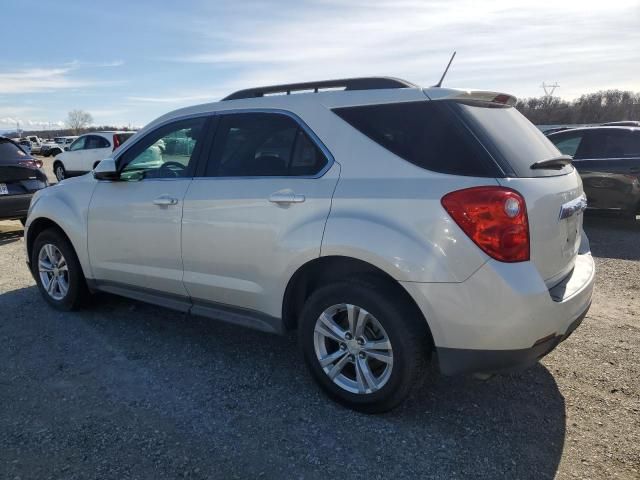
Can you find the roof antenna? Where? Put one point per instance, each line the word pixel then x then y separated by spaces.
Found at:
pixel 439 84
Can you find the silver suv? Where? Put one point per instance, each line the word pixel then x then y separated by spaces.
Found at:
pixel 387 223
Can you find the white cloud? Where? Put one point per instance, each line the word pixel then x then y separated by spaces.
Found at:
pixel 40 80
pixel 504 44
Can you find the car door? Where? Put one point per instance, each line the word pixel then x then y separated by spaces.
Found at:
pixel 135 223
pixel 96 149
pixel 72 158
pixel 609 162
pixel 256 212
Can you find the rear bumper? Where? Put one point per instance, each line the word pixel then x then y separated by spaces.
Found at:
pixel 503 317
pixel 453 361
pixel 14 206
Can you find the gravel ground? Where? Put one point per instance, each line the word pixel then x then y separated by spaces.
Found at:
pixel 127 390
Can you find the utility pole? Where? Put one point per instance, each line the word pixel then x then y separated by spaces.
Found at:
pixel 549 88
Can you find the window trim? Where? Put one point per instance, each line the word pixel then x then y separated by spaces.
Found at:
pixel 301 124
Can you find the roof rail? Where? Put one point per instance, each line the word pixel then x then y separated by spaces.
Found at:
pixel 363 83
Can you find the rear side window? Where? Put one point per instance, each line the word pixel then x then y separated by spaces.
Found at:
pixel 611 143
pixel 568 143
pixel 428 134
pixel 10 152
pixel 263 145
pixel 95 141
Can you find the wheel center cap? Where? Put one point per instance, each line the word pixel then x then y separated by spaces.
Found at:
pixel 353 347
pixel 55 271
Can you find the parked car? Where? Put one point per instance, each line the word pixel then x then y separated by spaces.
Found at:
pixel 608 160
pixel 20 176
pixel 385 222
pixel 58 146
pixel 36 143
pixel 86 151
pixel 25 144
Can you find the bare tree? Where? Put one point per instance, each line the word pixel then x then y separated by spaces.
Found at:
pixel 79 119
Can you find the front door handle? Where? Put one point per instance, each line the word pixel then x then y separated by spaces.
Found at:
pixel 286 197
pixel 165 200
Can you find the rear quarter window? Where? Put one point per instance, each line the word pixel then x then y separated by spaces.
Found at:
pixel 428 134
pixel 514 142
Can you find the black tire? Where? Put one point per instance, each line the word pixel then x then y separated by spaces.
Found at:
pixel 77 291
pixel 59 171
pixel 407 334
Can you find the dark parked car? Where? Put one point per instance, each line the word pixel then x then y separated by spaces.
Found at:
pixel 21 176
pixel 608 160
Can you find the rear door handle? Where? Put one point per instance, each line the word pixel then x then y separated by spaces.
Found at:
pixel 286 197
pixel 164 200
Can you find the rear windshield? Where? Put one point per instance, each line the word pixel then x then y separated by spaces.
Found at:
pixel 513 140
pixel 428 134
pixel 10 153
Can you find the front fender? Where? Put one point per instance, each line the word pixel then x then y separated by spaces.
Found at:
pixel 65 204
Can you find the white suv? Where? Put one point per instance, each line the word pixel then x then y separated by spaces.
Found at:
pixel 86 151
pixel 386 222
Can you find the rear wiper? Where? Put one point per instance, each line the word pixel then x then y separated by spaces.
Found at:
pixel 555 163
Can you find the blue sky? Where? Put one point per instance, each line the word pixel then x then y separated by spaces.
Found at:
pixel 127 62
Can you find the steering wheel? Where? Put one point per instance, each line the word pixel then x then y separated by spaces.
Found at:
pixel 175 168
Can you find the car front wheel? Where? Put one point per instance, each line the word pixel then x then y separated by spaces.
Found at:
pixel 364 347
pixel 57 271
pixel 60 172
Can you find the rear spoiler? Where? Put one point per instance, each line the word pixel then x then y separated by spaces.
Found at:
pixel 473 95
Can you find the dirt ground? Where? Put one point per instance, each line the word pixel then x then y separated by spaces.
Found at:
pixel 127 390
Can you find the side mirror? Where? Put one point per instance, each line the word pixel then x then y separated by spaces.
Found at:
pixel 106 170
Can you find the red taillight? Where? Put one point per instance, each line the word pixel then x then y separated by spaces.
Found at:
pixel 116 141
pixel 495 218
pixel 30 163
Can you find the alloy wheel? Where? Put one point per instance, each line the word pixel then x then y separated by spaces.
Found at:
pixel 53 271
pixel 353 348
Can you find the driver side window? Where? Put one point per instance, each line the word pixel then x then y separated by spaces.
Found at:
pixel 167 152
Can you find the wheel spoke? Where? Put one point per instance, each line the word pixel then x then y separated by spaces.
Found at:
pixel 62 262
pixel 332 357
pixel 383 357
pixel 365 376
pixel 352 311
pixel 361 321
pixel 44 267
pixel 50 287
pixel 383 344
pixel 48 248
pixel 337 368
pixel 331 329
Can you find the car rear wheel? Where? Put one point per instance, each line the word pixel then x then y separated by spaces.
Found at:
pixel 57 271
pixel 363 346
pixel 59 171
